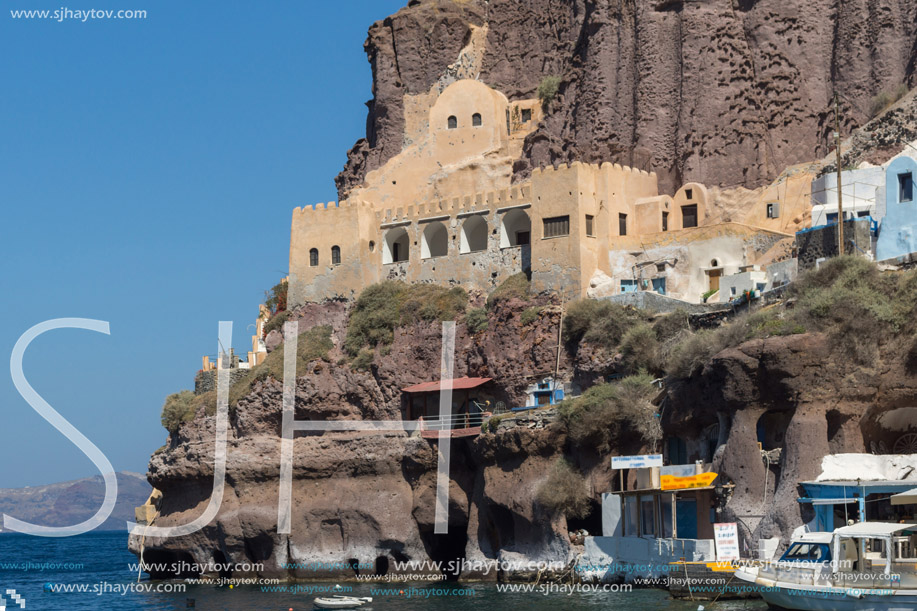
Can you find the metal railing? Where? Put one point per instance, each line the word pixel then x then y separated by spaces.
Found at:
pixel 454 422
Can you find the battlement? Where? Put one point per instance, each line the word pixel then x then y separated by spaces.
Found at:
pixel 605 165
pixel 332 206
pixel 478 202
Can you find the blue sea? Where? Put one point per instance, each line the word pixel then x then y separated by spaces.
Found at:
pixel 92 571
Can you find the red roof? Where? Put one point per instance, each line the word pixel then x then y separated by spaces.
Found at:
pixel 457 384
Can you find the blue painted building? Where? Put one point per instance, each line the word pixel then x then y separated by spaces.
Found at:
pixel 898 228
pixel 835 502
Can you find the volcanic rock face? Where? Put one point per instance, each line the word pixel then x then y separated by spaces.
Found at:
pixel 723 92
pixel 803 402
pixel 368 496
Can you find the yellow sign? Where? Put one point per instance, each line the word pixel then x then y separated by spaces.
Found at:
pixel 673 482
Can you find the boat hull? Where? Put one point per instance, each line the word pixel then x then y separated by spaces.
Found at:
pixel 836 599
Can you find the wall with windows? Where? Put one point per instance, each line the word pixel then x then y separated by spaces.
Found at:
pixel 459 138
pixel 898 228
pixel 333 251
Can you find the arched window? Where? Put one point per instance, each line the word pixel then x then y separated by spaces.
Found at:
pixel 396 245
pixel 452 122
pixel 515 229
pixel 435 241
pixel 335 255
pixel 476 119
pixel 313 257
pixel 474 234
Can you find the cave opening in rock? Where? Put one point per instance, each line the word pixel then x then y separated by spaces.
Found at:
pixel 381 567
pixel 259 548
pixel 771 429
pixel 355 565
pixel 222 564
pixel 501 529
pixel 161 561
pixel 447 549
pixel 591 522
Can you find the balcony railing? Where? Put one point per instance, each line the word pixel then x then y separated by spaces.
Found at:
pixel 458 425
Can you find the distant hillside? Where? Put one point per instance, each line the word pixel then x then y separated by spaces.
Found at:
pixel 67 503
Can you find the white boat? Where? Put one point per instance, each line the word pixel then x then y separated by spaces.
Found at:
pixel 342 602
pixel 868 566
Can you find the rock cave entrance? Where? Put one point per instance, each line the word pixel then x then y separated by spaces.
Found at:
pixel 157 559
pixel 447 549
pixel 591 522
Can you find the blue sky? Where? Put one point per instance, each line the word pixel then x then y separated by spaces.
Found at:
pixel 148 171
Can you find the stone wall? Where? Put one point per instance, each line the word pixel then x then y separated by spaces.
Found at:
pixel 821 242
pixel 206 381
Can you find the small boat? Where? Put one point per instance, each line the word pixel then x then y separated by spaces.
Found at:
pixel 341 602
pixel 868 566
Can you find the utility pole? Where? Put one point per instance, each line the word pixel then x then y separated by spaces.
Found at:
pixel 840 191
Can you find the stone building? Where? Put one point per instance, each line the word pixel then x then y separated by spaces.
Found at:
pixel 446 210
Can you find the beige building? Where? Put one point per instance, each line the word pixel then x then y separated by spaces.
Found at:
pixel 445 210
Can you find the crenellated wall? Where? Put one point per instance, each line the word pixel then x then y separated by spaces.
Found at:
pixel 444 210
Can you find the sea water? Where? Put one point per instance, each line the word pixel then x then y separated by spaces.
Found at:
pixel 93 571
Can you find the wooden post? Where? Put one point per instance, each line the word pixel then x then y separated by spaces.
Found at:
pixel 840 192
pixel 560 328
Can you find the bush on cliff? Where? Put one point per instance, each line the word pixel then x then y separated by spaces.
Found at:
pixel 179 407
pixel 313 344
pixel 516 286
pixel 640 349
pixel 564 491
pixel 276 299
pixel 530 315
pixel 598 322
pixel 476 320
pixel 384 306
pixel 547 89
pixel 276 321
pixel 884 99
pixel 689 355
pixel 608 416
pixel 858 307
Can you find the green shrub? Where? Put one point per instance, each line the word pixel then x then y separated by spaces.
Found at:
pixel 364 360
pixel 884 99
pixel 547 89
pixel 313 344
pixel 530 315
pixel 671 325
pixel 601 323
pixel 276 299
pixel 383 307
pixel 178 408
pixel 276 322
pixel 640 348
pixel 493 423
pixel 564 491
pixel 708 294
pixel 476 320
pixel 515 287
pixel 855 305
pixel 608 416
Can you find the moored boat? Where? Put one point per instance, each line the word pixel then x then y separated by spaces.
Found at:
pixel 341 602
pixel 868 566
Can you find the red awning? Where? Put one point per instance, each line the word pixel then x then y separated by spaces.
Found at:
pixel 457 384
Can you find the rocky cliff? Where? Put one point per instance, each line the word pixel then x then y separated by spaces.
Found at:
pixel 723 92
pixel 370 497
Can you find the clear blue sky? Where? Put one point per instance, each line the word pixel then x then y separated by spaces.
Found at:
pixel 148 171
